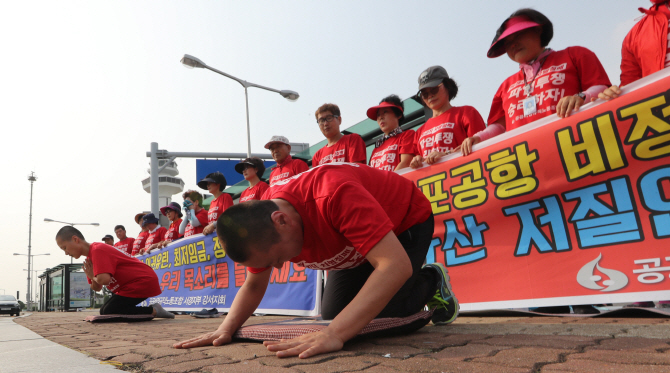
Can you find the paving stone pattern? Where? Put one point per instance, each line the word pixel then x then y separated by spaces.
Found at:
pixel 471 344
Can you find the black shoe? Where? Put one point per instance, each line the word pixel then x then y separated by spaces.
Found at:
pixel 444 302
pixel 553 309
pixel 204 313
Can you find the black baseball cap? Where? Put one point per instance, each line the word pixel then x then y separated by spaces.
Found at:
pixel 214 177
pixel 108 236
pixel 254 162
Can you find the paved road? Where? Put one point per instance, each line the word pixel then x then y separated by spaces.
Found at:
pixel 471 344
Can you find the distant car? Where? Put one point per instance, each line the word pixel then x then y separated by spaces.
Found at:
pixel 8 304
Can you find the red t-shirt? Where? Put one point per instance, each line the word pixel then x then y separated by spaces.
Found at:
pixel 130 277
pixel 645 48
pixel 563 73
pixel 349 148
pixel 139 242
pixel 202 218
pixel 448 130
pixel 155 236
pixel 254 193
pixel 286 169
pixel 387 156
pixel 218 206
pixel 125 245
pixel 346 209
pixel 172 232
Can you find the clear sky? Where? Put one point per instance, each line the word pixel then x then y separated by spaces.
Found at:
pixel 87 85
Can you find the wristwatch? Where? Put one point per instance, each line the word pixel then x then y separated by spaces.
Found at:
pixel 581 95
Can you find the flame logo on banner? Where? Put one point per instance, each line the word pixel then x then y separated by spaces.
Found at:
pixel 588 279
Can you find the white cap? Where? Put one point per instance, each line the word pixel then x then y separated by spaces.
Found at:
pixel 274 139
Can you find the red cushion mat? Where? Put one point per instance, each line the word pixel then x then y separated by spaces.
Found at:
pixel 293 328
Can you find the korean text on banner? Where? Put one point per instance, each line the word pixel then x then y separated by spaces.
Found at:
pixel 195 273
pixel 560 211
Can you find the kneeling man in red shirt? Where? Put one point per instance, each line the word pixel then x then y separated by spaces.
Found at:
pixel 370 228
pixel 130 280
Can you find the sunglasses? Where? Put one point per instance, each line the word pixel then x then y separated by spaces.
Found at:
pixel 427 92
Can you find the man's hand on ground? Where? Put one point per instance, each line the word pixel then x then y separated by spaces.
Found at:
pixel 306 345
pixel 217 338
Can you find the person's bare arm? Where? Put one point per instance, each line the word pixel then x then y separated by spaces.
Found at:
pixel 210 228
pixel 405 160
pixel 245 303
pixel 392 269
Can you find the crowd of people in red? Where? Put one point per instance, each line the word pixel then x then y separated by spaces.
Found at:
pixel 547 83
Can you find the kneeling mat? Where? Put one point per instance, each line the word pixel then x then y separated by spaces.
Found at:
pixel 287 329
pixel 118 318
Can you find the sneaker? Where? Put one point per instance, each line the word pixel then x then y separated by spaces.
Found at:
pixel 161 312
pixel 444 301
pixel 204 313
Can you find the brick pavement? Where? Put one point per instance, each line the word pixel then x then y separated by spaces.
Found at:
pixel 471 344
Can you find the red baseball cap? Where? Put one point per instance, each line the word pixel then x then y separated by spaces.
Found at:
pixel 372 112
pixel 512 26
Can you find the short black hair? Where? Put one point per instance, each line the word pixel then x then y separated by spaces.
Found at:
pixel 545 24
pixel 395 100
pixel 66 233
pixel 247 224
pixel 451 87
pixel 119 227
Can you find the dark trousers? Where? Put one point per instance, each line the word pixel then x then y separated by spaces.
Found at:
pixel 120 305
pixel 343 285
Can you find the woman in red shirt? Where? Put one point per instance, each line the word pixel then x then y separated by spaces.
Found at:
pixel 548 82
pixel 215 183
pixel 396 148
pixel 173 213
pixel 196 216
pixel 450 125
pixel 252 169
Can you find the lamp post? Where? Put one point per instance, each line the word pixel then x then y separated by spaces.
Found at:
pixel 28 293
pixel 32 178
pixel 191 62
pixel 71 224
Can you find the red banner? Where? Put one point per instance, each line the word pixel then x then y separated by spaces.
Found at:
pixel 560 211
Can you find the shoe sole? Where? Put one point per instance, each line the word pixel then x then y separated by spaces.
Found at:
pixel 446 283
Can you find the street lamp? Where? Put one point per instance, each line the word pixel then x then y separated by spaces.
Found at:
pixel 71 224
pixel 28 295
pixel 191 62
pixel 32 178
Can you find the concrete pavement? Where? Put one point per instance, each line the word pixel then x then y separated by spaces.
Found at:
pixel 471 344
pixel 22 350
